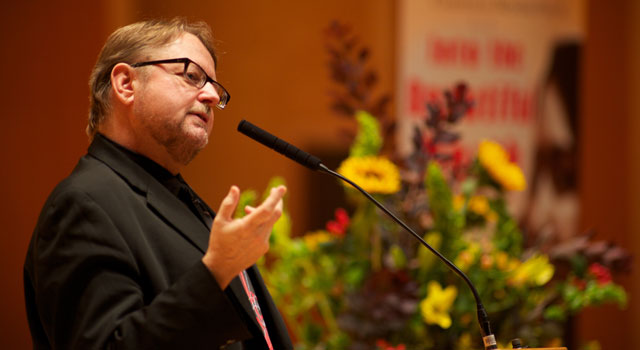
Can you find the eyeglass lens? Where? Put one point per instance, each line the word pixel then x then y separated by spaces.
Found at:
pixel 198 78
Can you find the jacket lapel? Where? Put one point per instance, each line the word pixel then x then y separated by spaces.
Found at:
pixel 161 201
pixel 165 205
pixel 177 215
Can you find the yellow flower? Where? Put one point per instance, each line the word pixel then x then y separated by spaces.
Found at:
pixel 479 205
pixel 458 202
pixel 536 270
pixel 492 216
pixel 495 160
pixel 313 239
pixel 502 259
pixel 373 174
pixel 467 257
pixel 486 261
pixel 426 257
pixel 435 307
pixel 513 264
pixel 464 342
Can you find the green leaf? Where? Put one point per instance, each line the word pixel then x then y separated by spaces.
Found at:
pixel 469 186
pixel 368 140
pixel 398 257
pixel 440 196
pixel 597 294
pixel 280 239
pixel 555 313
pixel 579 264
pixel 446 220
pixel 426 258
pixel 355 274
pixel 281 233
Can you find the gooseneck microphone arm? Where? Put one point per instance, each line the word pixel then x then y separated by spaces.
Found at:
pixel 315 163
pixel 483 318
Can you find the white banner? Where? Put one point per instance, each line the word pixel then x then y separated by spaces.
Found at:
pixel 514 56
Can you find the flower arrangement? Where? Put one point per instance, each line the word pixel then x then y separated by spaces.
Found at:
pixel 363 283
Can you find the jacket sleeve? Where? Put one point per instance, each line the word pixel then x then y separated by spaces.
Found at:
pixel 89 289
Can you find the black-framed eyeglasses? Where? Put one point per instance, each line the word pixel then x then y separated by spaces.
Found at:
pixel 194 75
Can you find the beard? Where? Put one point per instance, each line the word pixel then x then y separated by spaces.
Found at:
pixel 178 130
pixel 181 149
pixel 181 138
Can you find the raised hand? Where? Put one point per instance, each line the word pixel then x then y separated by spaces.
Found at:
pixel 236 244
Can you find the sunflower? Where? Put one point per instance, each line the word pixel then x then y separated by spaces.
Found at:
pixel 373 174
pixel 495 161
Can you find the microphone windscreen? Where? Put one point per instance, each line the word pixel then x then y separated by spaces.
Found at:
pixel 279 145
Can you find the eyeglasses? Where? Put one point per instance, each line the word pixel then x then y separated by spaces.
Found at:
pixel 194 75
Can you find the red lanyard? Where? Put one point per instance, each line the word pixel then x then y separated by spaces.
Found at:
pixel 254 305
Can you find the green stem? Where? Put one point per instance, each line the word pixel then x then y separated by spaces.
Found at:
pixel 322 301
pixel 327 313
pixel 376 249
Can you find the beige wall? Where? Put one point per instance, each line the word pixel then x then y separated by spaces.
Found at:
pixel 274 65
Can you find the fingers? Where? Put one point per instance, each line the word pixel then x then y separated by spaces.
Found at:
pixel 269 210
pixel 275 198
pixel 229 203
pixel 225 257
pixel 249 209
pixel 271 207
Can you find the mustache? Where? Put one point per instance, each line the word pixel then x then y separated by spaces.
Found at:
pixel 201 109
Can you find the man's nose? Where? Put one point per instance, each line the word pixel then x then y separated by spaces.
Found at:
pixel 209 94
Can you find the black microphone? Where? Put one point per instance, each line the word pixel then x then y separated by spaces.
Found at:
pixel 314 163
pixel 279 145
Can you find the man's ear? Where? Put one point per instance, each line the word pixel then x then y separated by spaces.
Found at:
pixel 122 76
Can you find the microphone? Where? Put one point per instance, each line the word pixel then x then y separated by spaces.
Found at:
pixel 314 163
pixel 279 145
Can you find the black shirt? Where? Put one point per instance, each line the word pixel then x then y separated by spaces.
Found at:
pixel 174 183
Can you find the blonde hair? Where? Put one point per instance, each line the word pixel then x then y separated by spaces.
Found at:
pixel 128 44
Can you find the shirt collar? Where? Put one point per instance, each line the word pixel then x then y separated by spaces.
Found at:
pixel 162 175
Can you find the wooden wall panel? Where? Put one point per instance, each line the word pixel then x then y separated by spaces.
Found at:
pixel 48 49
pixel 609 163
pixel 273 63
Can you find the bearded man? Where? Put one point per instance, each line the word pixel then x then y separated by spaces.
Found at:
pixel 125 255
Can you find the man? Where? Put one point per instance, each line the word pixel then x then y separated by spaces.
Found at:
pixel 124 254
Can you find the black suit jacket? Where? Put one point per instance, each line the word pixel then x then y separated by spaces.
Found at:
pixel 115 262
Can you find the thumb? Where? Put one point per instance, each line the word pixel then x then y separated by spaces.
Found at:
pixel 229 203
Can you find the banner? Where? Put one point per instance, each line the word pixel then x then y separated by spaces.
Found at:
pixel 520 60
